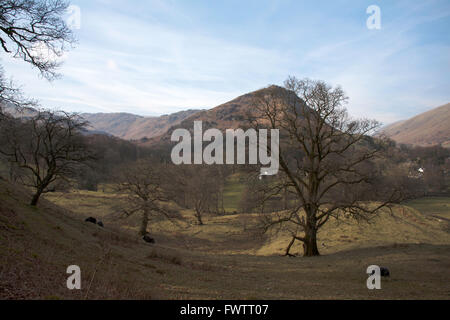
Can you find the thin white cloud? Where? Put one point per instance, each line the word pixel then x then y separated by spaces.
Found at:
pixel 133 60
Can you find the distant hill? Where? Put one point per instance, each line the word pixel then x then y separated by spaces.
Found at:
pixel 122 125
pixel 130 126
pixel 426 129
pixel 25 112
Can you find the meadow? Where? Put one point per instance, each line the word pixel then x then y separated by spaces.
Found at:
pixel 227 258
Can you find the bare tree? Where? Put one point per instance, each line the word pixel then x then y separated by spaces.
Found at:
pixel 35 31
pixel 44 147
pixel 201 187
pixel 145 184
pixel 325 158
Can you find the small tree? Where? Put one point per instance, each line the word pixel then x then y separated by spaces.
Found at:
pixel 201 189
pixel 325 158
pixel 146 187
pixel 45 147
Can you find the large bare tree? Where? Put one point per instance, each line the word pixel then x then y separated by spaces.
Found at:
pixel 44 147
pixel 327 159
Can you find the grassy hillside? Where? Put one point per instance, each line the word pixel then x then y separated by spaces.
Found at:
pixel 426 129
pixel 38 244
pixel 225 259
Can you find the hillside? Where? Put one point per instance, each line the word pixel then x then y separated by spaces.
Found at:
pixel 38 244
pixel 426 129
pixel 224 259
pixel 130 126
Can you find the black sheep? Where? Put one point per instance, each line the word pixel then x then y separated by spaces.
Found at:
pixel 148 239
pixel 91 220
pixel 100 224
pixel 384 272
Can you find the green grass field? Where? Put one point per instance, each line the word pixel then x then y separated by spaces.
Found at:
pixel 437 206
pixel 233 191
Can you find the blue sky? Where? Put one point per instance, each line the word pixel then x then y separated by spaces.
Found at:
pixel 156 57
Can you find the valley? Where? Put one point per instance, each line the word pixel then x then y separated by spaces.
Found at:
pixel 224 259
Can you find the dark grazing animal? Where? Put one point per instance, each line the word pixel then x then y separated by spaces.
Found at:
pixel 100 224
pixel 91 220
pixel 384 272
pixel 148 239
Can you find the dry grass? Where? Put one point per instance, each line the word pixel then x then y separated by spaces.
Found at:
pixel 220 260
pixel 157 254
pixel 37 245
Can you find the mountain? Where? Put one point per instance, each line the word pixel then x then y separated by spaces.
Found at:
pixel 130 126
pixel 24 112
pixel 426 129
pixel 230 115
pixel 122 125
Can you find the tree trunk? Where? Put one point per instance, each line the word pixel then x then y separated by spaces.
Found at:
pixel 310 244
pixel 289 248
pixel 36 196
pixel 310 239
pixel 41 187
pixel 198 215
pixel 198 212
pixel 144 224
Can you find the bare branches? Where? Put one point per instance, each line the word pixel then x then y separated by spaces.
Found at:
pixel 35 31
pixel 146 187
pixel 44 147
pixel 200 188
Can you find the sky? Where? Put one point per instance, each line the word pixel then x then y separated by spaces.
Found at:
pixel 157 57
